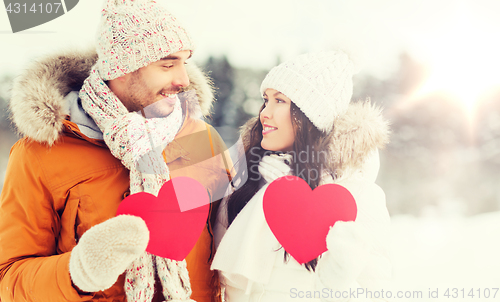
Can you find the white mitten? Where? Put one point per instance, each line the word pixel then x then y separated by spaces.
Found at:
pixel 106 250
pixel 346 257
pixel 274 166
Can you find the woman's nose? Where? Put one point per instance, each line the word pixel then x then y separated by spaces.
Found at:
pixel 266 112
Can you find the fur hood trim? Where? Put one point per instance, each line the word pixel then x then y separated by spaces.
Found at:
pixel 38 106
pixel 356 134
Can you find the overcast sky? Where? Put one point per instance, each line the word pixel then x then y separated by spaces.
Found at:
pixel 255 33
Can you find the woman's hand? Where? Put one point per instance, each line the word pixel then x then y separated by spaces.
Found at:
pixel 274 166
pixel 346 257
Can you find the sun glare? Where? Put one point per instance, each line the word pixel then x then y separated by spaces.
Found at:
pixel 463 61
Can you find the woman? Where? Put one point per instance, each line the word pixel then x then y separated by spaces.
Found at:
pixel 306 128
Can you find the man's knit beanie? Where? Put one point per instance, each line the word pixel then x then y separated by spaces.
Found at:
pixel 319 83
pixel 134 33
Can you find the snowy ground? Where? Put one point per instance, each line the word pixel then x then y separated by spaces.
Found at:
pixel 456 253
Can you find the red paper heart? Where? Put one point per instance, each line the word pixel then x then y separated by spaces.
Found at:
pixel 300 218
pixel 172 233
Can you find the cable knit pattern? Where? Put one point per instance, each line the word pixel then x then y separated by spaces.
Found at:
pixel 320 84
pixel 134 33
pixel 139 280
pixel 174 275
pixel 130 138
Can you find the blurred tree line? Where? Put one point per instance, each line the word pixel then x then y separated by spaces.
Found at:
pixel 441 159
pixel 7 134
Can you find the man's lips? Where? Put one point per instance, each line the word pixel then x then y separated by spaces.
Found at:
pixel 168 95
pixel 170 98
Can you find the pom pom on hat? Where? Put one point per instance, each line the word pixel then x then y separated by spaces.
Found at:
pixel 134 33
pixel 319 83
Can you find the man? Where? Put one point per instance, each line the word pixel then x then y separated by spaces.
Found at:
pixel 91 127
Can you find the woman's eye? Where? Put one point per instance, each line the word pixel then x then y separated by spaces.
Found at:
pixel 280 101
pixel 168 66
pixel 266 101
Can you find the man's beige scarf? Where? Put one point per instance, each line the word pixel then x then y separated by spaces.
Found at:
pixel 138 142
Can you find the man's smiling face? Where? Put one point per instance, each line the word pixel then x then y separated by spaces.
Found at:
pixel 158 81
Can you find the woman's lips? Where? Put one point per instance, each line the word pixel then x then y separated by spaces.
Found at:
pixel 268 129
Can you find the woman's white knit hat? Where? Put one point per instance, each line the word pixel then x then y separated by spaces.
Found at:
pixel 319 83
pixel 134 33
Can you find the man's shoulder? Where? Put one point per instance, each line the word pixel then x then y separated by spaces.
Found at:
pixel 28 147
pixel 69 157
pixel 65 144
pixel 38 105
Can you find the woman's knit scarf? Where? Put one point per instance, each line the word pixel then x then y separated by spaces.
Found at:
pixel 138 143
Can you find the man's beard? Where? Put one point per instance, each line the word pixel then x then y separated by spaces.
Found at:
pixel 141 98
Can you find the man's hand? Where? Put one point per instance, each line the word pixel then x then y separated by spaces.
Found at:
pixel 106 250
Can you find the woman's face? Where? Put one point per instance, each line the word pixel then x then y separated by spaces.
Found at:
pixel 277 133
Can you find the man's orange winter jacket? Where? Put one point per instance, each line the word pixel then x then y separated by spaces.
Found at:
pixel 53 195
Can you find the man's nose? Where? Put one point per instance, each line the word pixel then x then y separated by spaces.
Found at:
pixel 181 78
